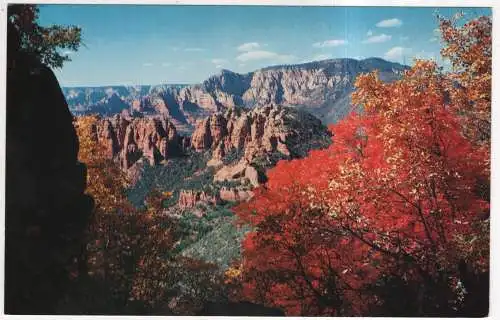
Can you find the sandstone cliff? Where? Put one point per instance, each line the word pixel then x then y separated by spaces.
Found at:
pixel 322 88
pixel 257 132
pixel 244 143
pixel 129 139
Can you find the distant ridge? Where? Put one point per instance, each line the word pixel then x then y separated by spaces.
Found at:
pixel 322 88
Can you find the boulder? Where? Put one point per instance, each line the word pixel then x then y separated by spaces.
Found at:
pixel 235 195
pixel 252 175
pixel 231 172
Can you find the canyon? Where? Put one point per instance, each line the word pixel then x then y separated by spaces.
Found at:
pixel 322 88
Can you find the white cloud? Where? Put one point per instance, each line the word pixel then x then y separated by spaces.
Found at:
pixel 390 23
pixel 219 66
pixel 249 46
pixel 241 65
pixel 219 61
pixel 194 49
pixel 369 33
pixel 404 38
pixel 330 43
pixel 320 57
pixel 378 39
pixel 396 53
pixel 166 64
pixel 147 64
pixel 264 55
pixel 433 39
pixel 256 55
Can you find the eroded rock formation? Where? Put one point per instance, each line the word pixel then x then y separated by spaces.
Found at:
pixel 322 87
pixel 190 198
pixel 129 139
pixel 240 137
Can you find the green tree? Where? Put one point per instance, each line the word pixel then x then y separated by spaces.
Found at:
pixel 50 44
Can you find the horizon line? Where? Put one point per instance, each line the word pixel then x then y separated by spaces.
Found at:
pixel 173 83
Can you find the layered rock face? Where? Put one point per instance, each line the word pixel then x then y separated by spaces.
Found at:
pixel 240 143
pixel 129 139
pixel 240 137
pixel 255 132
pixel 323 88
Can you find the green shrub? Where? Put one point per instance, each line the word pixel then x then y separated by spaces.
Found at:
pixel 221 245
pixel 172 177
pixel 233 156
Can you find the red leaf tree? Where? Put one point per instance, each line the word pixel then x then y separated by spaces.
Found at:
pixel 397 198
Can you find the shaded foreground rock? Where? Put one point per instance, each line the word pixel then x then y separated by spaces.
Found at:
pixel 46 211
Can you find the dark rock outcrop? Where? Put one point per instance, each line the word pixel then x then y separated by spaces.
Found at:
pixel 46 209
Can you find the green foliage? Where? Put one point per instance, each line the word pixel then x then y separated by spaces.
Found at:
pixel 234 155
pixel 266 161
pixel 221 245
pixel 212 238
pixel 51 45
pixel 226 183
pixel 218 213
pixel 192 228
pixel 176 174
pixel 190 231
pixel 202 181
pixel 300 146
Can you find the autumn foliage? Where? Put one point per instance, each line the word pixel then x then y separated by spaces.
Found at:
pixel 130 266
pixel 397 207
pixel 469 51
pixel 391 219
pixel 114 238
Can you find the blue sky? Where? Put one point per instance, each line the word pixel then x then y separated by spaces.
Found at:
pixel 133 44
